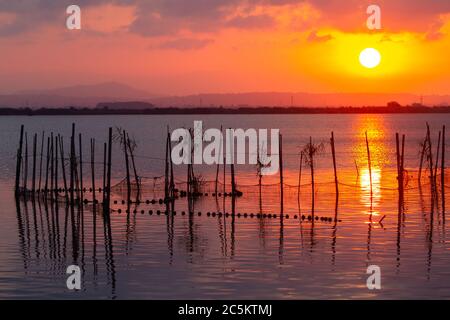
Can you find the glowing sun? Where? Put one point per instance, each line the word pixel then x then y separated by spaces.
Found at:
pixel 369 58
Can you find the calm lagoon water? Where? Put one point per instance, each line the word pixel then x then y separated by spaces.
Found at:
pixel 218 257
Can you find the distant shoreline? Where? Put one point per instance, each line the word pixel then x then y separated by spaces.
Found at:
pixel 220 110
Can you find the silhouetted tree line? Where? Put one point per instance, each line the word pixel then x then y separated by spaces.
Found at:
pixel 392 108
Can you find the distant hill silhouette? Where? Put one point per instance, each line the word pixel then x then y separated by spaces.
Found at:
pixel 80 96
pixel 112 92
pixel 106 89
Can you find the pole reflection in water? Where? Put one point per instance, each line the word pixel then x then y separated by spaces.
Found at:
pixel 52 247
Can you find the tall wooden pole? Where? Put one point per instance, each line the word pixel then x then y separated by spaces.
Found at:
pixel 299 177
pixel 93 169
pixel 52 166
pixel 233 181
pixel 166 170
pixel 311 158
pixel 397 149
pixel 443 172
pixel 430 158
pixel 25 177
pixel 422 154
pixel 437 157
pixel 333 151
pixel 40 162
pixel 47 166
pixel 56 167
pixel 224 175
pixel 218 163
pixel 33 183
pixel 370 167
pixel 63 167
pixel 81 167
pixel 104 172
pixel 72 160
pixel 402 168
pixel 280 155
pixel 127 165
pixel 19 162
pixel 108 181
pixel 172 178
pixel 136 177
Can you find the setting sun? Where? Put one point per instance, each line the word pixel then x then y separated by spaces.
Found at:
pixel 370 58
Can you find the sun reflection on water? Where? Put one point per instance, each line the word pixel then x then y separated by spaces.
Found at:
pixel 374 125
pixel 370 198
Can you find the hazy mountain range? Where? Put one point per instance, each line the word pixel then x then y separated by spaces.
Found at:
pixel 109 93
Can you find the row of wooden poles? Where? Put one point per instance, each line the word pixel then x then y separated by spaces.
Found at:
pixel 47 186
pixel 427 152
pixel 433 165
pixel 74 192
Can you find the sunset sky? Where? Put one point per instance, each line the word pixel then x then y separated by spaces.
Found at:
pixel 206 46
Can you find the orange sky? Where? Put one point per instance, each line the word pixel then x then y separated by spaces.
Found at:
pixel 183 47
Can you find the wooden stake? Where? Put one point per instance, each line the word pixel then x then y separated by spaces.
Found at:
pixel 402 168
pixel 166 170
pixel 63 167
pixel 437 157
pixel 104 173
pixel 422 154
pixel 52 166
pixel 127 166
pixel 370 166
pixel 40 164
pixel 108 181
pixel 81 167
pixel 443 172
pixel 48 166
pixel 430 159
pixel 218 163
pixel 56 167
pixel 136 177
pixel 399 184
pixel 224 174
pixel 33 183
pixel 311 157
pixel 19 162
pixel 172 178
pixel 333 151
pixel 25 177
pixel 93 169
pixel 280 155
pixel 299 177
pixel 72 160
